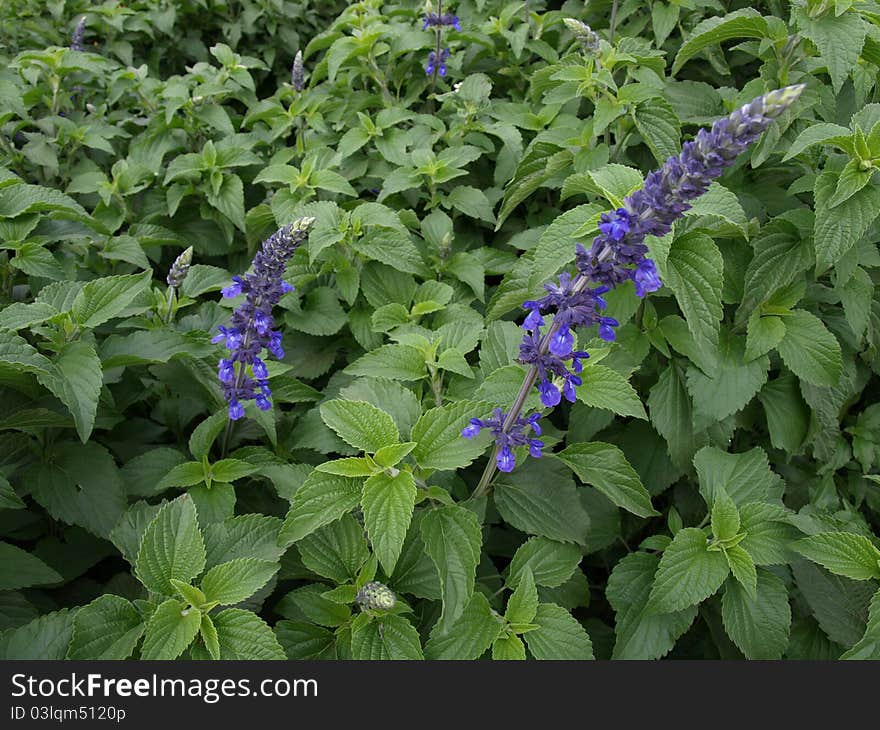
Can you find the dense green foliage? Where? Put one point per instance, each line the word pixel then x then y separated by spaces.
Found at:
pixel 714 491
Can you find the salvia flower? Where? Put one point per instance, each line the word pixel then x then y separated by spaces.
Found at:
pixel 586 36
pixel 243 373
pixel 76 38
pixel 510 438
pixel 433 20
pixel 617 255
pixel 180 268
pixel 437 63
pixel 618 252
pixel 297 72
pixel 375 596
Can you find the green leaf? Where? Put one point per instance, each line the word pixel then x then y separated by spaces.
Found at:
pixel 605 467
pixel 745 23
pixel 763 334
pixel 322 499
pixel 21 569
pixel 321 313
pixel 558 636
pixel 809 350
pixel 743 477
pixel 758 624
pixel 732 383
pixel 555 248
pixel 236 580
pixel 453 538
pixel 229 199
pixel 76 379
pixel 688 573
pixel 360 424
pixel 852 179
pixel 170 630
pixel 16 351
pixel 816 134
pixel 694 272
pixel 470 635
pixel 388 503
pixel 9 499
pixel 80 485
pixel 838 229
pixel 508 648
pixel 45 638
pixel 550 563
pixel 606 388
pixel 843 553
pixel 523 602
pixel 16 200
pixel 394 362
pixel 101 300
pixel 108 628
pixel 172 547
pixel 208 632
pixel 391 637
pixel 839 39
pixel 641 634
pixel 539 500
pixel 472 202
pixel 438 433
pixel 725 517
pixel 243 635
pixel 743 568
pixel 788 415
pixel 336 551
pixel 659 126
pixel 303 640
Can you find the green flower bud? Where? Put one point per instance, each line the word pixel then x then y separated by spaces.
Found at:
pixel 180 268
pixel 375 596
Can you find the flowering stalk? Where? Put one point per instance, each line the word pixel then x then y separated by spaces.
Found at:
pixel 76 38
pixel 243 374
pixel 297 72
pixel 437 58
pixel 618 254
pixel 176 275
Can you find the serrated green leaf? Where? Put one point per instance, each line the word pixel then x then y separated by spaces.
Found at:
pixel 688 573
pixel 360 424
pixel 388 503
pixel 605 467
pixel 558 636
pixel 758 624
pixel 172 547
pixel 453 539
pixel 843 553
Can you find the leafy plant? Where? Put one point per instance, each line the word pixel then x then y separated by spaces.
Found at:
pixel 368 332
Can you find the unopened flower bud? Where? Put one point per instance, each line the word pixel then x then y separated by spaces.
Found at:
pixel 180 268
pixel 375 596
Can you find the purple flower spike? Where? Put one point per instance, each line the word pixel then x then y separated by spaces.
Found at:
pixel 251 328
pixel 668 191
